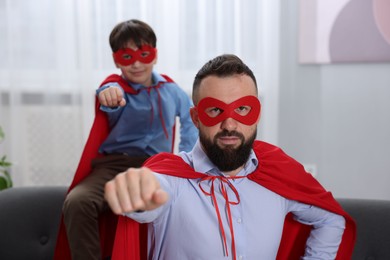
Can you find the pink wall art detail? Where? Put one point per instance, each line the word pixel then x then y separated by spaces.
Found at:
pixel 344 31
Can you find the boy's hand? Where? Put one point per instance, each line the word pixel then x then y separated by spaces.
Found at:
pixel 135 189
pixel 112 97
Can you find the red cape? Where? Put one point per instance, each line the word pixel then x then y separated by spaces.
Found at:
pixel 99 132
pixel 277 172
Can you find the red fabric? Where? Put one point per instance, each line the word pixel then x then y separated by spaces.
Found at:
pixel 99 132
pixel 277 172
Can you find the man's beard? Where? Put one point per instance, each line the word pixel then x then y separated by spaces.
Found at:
pixel 228 158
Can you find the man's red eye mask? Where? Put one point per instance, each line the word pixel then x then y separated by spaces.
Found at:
pixel 127 56
pixel 228 110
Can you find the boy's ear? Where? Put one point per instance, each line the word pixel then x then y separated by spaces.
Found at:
pixel 194 116
pixel 155 59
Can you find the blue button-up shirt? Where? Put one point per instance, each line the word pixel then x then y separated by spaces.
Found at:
pixel 187 226
pixel 137 128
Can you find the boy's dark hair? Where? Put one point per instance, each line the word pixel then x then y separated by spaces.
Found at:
pixel 221 66
pixel 132 30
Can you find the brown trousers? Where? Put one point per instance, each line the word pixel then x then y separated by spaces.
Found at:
pixel 85 202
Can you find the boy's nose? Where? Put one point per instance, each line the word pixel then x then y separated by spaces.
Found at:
pixel 136 63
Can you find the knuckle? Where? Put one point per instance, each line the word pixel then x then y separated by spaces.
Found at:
pixel 108 187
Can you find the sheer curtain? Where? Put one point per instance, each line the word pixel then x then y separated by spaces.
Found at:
pixel 54 54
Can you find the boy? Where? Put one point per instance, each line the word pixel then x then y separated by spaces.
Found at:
pixel 135 120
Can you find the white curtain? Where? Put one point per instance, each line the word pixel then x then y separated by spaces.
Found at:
pixel 54 54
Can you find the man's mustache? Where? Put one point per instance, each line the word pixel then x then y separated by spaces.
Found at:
pixel 229 133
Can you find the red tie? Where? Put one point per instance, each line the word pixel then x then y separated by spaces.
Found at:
pixel 223 182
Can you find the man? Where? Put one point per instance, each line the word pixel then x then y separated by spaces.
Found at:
pixel 231 196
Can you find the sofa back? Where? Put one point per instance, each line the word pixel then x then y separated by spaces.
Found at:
pixel 372 219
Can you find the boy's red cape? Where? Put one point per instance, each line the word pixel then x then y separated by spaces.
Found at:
pixel 277 172
pixel 99 132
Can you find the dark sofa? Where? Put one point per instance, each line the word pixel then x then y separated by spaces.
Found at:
pixel 29 218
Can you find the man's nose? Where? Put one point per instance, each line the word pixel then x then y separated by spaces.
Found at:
pixel 229 124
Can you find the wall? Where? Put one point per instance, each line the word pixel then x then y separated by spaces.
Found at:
pixel 335 116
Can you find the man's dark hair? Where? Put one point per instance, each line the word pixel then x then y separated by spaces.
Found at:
pixel 222 66
pixel 132 30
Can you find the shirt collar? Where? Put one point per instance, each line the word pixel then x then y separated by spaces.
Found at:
pixel 156 78
pixel 201 163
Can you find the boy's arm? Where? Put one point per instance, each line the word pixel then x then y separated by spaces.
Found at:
pixel 110 97
pixel 188 132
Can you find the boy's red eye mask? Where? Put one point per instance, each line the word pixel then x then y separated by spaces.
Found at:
pixel 127 56
pixel 229 110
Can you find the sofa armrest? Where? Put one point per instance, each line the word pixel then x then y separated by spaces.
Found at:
pixel 29 221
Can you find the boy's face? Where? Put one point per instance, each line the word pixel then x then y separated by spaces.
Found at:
pixel 137 72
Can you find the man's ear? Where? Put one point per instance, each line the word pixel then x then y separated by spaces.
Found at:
pixel 258 119
pixel 116 64
pixel 194 116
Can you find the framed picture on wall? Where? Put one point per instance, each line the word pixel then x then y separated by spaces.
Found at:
pixel 340 31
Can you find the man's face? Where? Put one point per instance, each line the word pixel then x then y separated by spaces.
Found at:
pixel 140 70
pixel 228 142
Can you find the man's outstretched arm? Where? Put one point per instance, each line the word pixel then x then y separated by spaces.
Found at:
pixel 136 189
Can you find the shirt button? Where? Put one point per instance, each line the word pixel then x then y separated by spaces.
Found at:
pixel 239 220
